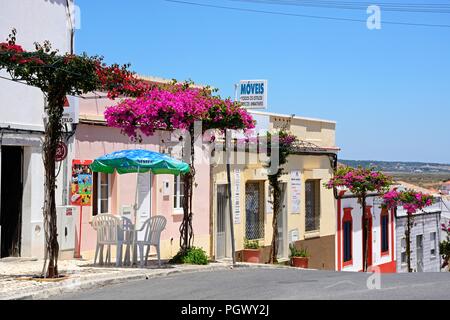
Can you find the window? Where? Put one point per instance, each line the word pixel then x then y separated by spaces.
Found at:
pixel 347 236
pixel 101 193
pixel 312 205
pixel 433 244
pixel 178 192
pixel 254 215
pixel 403 252
pixel 384 232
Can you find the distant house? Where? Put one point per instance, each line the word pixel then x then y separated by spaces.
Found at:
pixel 425 235
pixel 445 215
pixel 349 235
pixel 445 188
pixel 425 239
pixel 387 241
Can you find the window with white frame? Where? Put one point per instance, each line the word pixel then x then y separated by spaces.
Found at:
pixel 102 192
pixel 433 244
pixel 178 192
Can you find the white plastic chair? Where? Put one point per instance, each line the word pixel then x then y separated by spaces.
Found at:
pixel 109 233
pixel 127 237
pixel 153 228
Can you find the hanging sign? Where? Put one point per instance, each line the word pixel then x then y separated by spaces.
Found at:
pixel 237 196
pixel 81 183
pixel 253 94
pixel 61 151
pixel 70 112
pixel 296 184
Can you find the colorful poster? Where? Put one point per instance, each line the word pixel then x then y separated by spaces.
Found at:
pixel 81 183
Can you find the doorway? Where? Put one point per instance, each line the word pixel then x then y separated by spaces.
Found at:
pixel 368 216
pixel 419 252
pixel 282 218
pixel 221 221
pixel 11 200
pixel 144 200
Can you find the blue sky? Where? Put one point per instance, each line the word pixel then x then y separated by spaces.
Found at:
pixel 388 89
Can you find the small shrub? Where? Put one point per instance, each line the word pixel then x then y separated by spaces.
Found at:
pixel 251 244
pixel 193 255
pixel 298 252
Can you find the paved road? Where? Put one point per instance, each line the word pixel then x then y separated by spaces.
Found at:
pixel 267 284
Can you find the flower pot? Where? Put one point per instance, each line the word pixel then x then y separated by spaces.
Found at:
pixel 252 255
pixel 300 262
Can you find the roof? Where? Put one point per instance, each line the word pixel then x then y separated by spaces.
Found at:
pixel 416 188
pixel 305 146
pixel 272 114
pixel 154 79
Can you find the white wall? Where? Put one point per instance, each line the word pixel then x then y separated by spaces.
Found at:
pixel 423 225
pixel 22 107
pixel 35 20
pixel 357 241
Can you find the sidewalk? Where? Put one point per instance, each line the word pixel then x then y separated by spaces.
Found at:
pixel 16 273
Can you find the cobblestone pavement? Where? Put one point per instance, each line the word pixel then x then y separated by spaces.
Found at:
pixel 16 276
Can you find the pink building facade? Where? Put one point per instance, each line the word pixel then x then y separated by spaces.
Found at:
pixel 157 194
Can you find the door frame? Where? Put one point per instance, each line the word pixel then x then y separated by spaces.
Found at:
pixel 227 249
pixel 261 205
pixel 22 172
pixel 417 252
pixel 369 217
pixel 284 216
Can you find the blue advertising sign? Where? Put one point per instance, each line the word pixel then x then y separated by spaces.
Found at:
pixel 253 94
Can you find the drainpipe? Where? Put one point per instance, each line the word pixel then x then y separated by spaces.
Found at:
pixel 65 196
pixel 230 202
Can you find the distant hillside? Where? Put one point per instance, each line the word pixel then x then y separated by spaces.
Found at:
pixel 400 167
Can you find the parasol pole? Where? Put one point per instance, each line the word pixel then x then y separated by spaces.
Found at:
pixel 135 218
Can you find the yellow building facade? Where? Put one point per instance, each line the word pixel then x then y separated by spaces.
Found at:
pixel 308 215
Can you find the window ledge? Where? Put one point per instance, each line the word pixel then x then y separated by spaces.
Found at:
pixel 348 263
pixel 177 212
pixel 312 234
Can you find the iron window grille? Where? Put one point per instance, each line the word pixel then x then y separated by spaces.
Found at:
pixel 312 205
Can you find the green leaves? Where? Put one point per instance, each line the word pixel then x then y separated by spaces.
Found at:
pixel 45 68
pixel 251 244
pixel 303 252
pixel 193 255
pixel 360 181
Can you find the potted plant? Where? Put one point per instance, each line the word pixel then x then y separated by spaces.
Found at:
pixel 252 252
pixel 299 257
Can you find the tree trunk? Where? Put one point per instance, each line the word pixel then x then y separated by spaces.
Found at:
pixel 365 234
pixel 53 132
pixel 408 241
pixel 186 230
pixel 275 184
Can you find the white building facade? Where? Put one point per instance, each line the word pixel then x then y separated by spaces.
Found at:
pixel 424 240
pixel 22 127
pixel 349 235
